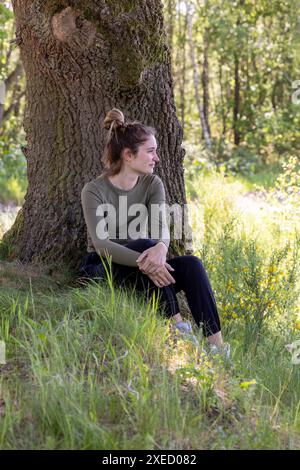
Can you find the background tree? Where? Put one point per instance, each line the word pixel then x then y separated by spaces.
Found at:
pixel 248 56
pixel 12 162
pixel 81 59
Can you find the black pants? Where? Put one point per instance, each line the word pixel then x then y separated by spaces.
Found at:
pixel 190 277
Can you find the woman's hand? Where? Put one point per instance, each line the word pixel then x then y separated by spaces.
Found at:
pixel 162 278
pixel 153 263
pixel 152 259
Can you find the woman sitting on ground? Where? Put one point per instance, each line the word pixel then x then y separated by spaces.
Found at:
pixel 129 159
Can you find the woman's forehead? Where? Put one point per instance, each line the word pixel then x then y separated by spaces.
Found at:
pixel 151 140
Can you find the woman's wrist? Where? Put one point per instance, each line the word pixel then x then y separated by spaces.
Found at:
pixel 162 244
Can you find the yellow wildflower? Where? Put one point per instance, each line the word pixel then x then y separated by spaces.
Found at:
pixel 247 384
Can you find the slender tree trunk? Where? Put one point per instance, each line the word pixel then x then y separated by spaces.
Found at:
pixel 12 82
pixel 205 81
pixel 237 85
pixel 2 100
pixel 184 74
pixel 223 110
pixel 14 76
pixel 14 106
pixel 170 23
pixel 196 80
pixel 81 59
pixel 236 106
pixel 181 63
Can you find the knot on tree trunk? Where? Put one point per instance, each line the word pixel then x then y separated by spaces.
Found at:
pixel 70 27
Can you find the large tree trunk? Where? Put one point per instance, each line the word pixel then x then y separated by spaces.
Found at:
pixel 82 58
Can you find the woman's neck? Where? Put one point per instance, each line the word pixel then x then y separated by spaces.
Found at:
pixel 124 181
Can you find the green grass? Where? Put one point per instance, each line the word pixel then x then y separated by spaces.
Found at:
pixel 94 367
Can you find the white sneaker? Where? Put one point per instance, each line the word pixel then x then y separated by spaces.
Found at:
pixel 223 351
pixel 186 332
pixel 184 326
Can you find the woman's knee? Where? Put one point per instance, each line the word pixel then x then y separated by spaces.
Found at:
pixel 193 262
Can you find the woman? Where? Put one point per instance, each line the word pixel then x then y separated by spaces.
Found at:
pixel 129 159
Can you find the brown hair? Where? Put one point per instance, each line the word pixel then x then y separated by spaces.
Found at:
pixel 121 135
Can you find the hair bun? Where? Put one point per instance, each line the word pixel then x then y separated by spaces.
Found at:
pixel 114 116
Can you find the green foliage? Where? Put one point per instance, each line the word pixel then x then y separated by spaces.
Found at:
pixel 224 158
pixel 253 61
pixel 252 285
pixel 13 181
pixel 253 263
pixel 6 15
pixel 288 183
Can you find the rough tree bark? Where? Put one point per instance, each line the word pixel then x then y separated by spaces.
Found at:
pixel 82 58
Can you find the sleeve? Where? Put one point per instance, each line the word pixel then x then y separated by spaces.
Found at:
pixel 91 200
pixel 157 220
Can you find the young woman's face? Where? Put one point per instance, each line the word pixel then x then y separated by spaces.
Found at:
pixel 145 159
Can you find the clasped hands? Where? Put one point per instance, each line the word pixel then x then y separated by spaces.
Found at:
pixel 152 262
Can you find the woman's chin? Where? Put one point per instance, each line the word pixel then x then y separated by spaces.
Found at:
pixel 147 171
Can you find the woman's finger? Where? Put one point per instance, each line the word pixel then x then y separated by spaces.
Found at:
pixel 142 257
pixel 169 277
pixel 156 282
pixel 146 266
pixel 150 268
pixel 168 266
pixel 163 279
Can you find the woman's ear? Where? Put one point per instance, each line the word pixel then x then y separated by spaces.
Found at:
pixel 127 155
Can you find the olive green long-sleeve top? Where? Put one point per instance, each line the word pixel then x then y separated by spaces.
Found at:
pixel 114 216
